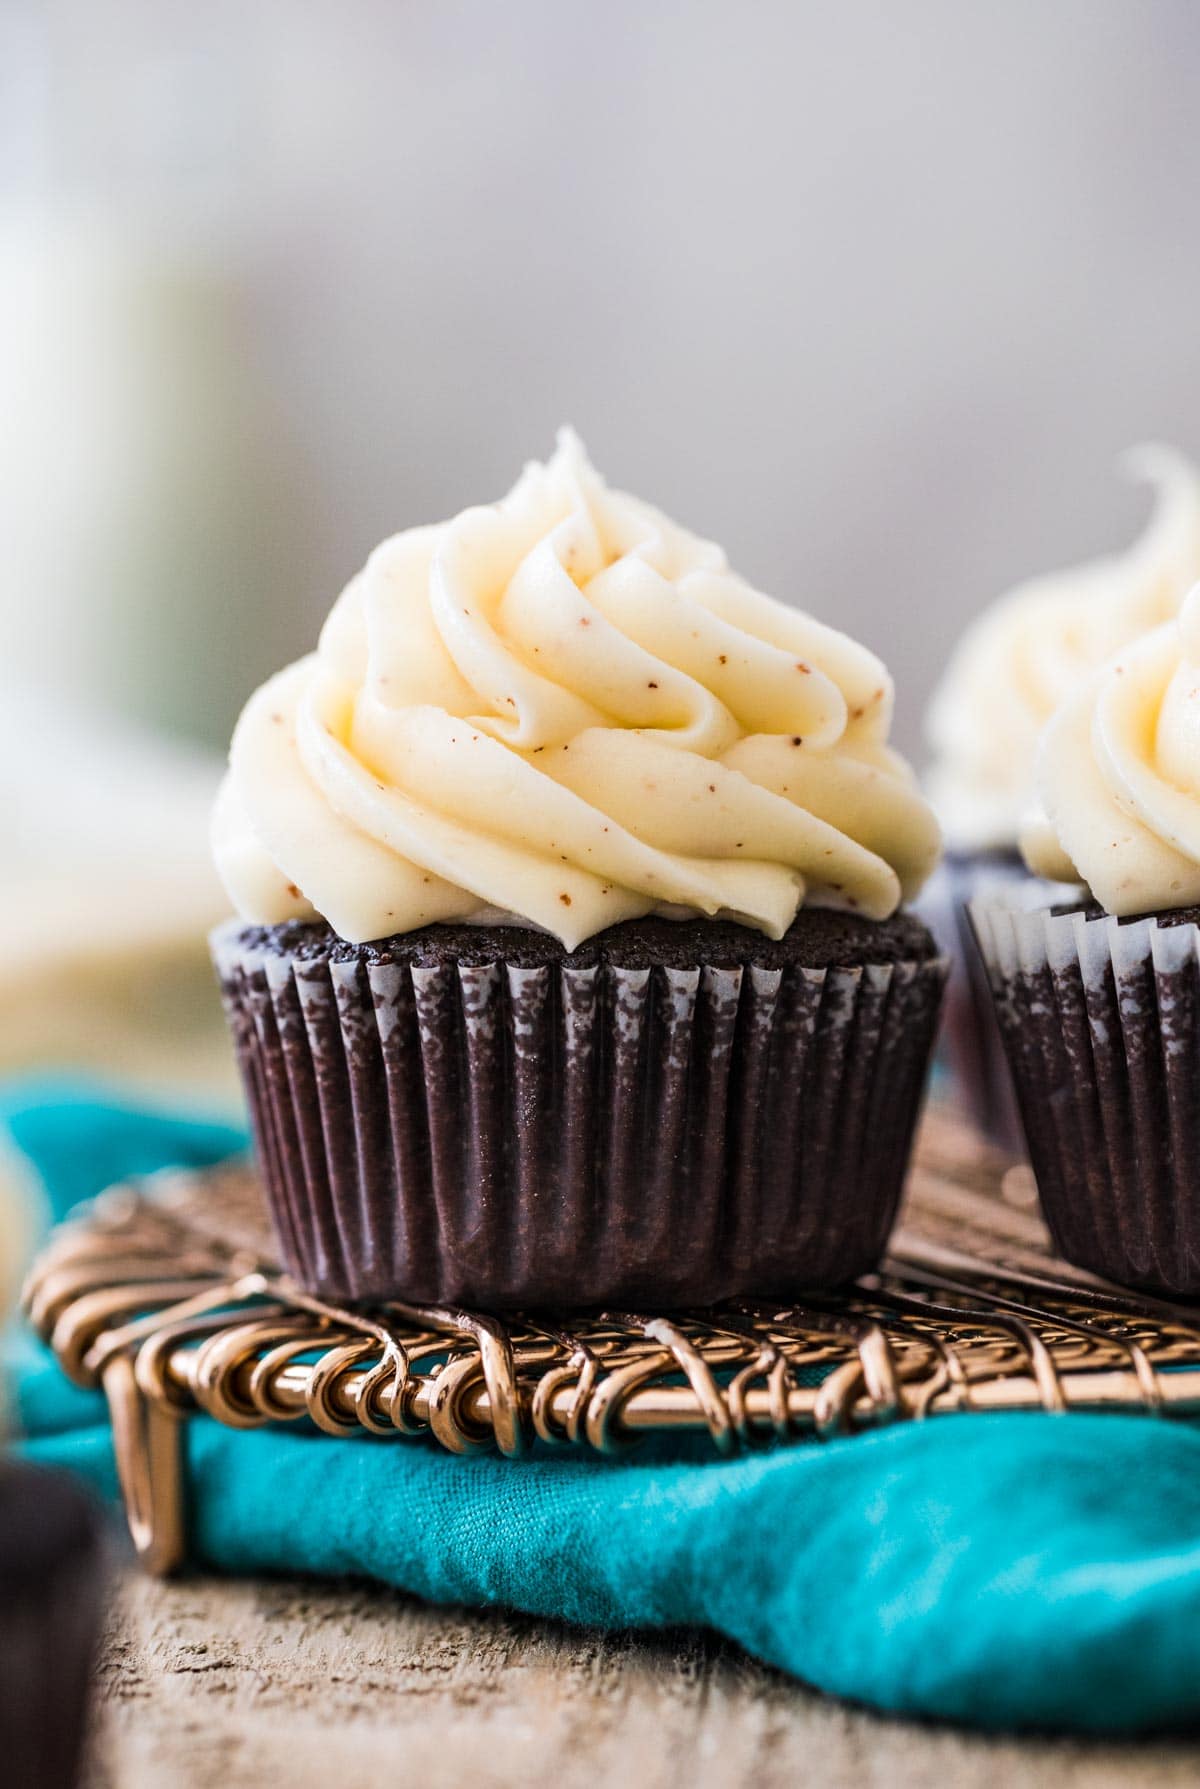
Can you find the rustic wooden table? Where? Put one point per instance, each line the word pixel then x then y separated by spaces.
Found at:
pixel 207 1684
pixel 292 1685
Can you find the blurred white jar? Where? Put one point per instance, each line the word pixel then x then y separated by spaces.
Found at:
pixel 143 534
pixel 142 513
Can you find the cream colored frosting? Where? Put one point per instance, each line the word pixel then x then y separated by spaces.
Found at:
pixel 566 710
pixel 1023 657
pixel 1119 776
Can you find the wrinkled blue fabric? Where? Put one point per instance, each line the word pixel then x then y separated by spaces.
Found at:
pixel 1020 1571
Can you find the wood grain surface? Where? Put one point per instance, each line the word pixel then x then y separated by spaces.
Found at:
pixel 259 1684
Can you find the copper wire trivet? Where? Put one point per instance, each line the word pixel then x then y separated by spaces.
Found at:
pixel 163 1292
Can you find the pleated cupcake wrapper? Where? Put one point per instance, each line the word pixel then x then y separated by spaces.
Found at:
pixel 971 1044
pixel 49 1641
pixel 578 1135
pixel 50 1624
pixel 970 1041
pixel 1102 1026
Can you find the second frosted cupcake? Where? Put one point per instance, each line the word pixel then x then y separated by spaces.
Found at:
pixel 570 967
pixel 1013 667
pixel 1098 996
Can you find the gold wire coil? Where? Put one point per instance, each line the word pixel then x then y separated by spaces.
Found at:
pixel 165 1294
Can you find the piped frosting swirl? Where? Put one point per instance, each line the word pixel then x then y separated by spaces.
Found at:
pixel 565 710
pixel 1119 777
pixel 1025 654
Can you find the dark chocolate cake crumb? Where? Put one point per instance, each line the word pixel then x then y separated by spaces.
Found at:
pixel 817 939
pixel 1169 916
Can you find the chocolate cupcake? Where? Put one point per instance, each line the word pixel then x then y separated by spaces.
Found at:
pixel 1012 669
pixel 570 968
pixel 51 1583
pixel 1098 998
pixel 52 1560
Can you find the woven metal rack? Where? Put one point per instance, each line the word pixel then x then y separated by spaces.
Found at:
pixel 164 1294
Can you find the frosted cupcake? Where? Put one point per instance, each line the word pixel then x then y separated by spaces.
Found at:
pixel 572 966
pixel 1010 672
pixel 1099 1000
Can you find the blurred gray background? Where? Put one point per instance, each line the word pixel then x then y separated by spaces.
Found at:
pixel 874 294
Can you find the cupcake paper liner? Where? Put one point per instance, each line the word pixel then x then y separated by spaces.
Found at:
pixel 51 1607
pixel 1101 1021
pixel 970 1045
pixel 577 1135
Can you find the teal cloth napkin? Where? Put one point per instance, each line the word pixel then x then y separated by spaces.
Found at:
pixel 1021 1571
